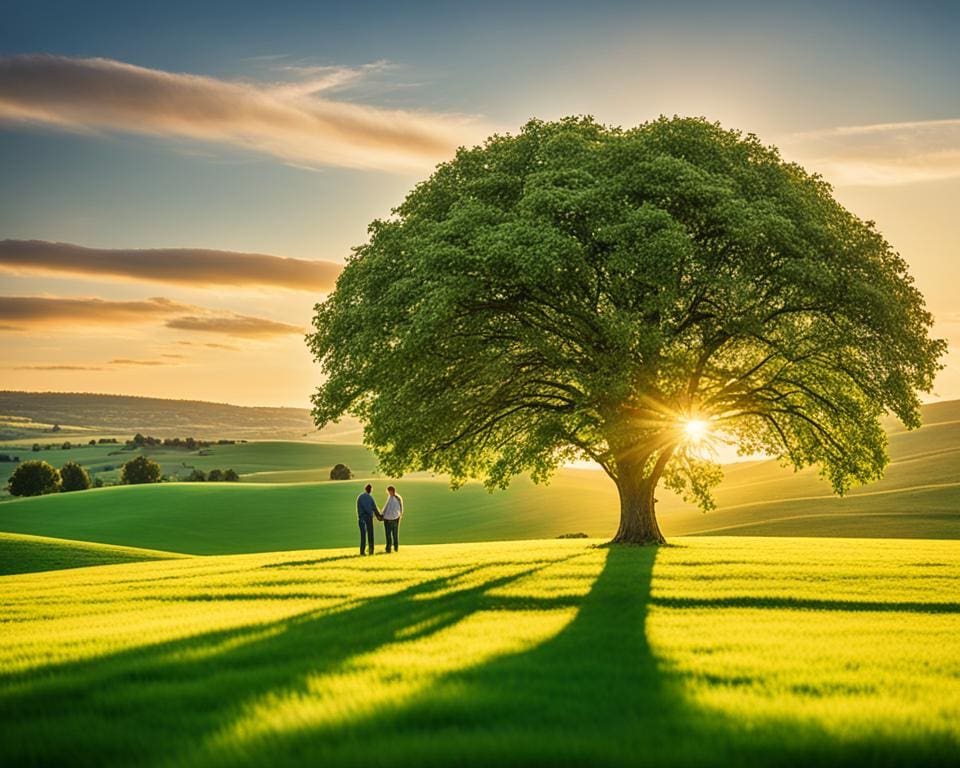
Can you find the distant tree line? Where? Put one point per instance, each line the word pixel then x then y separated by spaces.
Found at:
pixel 139 441
pixel 213 476
pixel 190 443
pixel 66 445
pixel 38 478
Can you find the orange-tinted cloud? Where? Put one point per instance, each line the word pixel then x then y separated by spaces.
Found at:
pixel 880 154
pixel 293 122
pixel 234 325
pixel 58 368
pixel 127 361
pixel 178 266
pixel 20 313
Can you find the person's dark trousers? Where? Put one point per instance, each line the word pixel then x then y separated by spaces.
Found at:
pixel 366 532
pixel 390 528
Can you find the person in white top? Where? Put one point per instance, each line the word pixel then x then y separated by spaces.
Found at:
pixel 391 513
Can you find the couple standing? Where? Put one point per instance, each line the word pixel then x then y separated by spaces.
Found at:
pixel 390 515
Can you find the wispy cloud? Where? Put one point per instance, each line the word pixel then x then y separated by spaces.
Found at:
pixel 234 325
pixel 297 122
pixel 880 154
pixel 21 313
pixel 57 368
pixel 127 361
pixel 177 266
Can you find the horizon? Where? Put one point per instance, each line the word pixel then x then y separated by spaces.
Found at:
pixel 184 185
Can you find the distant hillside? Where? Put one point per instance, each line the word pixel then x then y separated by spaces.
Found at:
pixel 25 414
pixel 918 496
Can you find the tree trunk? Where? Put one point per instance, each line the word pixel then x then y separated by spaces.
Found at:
pixel 638 520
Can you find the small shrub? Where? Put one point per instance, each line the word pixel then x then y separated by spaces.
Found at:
pixel 34 478
pixel 231 476
pixel 573 536
pixel 197 476
pixel 341 472
pixel 215 476
pixel 139 471
pixel 74 477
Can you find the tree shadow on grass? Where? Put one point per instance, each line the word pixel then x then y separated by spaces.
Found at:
pixel 157 703
pixel 593 694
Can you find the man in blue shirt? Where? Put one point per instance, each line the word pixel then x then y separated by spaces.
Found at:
pixel 366 509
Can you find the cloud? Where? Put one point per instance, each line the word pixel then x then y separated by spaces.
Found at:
pixel 20 313
pixel 880 154
pixel 57 368
pixel 295 122
pixel 126 361
pixel 178 266
pixel 234 325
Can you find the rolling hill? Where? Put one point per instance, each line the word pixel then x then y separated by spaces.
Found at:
pixel 26 554
pixel 29 415
pixel 282 504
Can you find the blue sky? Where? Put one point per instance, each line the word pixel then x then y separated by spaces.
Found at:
pixel 795 74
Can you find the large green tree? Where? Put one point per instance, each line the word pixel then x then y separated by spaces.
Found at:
pixel 625 296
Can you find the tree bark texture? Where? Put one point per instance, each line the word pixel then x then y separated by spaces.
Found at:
pixel 638 519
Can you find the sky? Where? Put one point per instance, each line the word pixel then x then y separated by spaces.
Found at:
pixel 182 181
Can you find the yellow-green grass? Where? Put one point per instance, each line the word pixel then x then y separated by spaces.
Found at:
pixel 713 651
pixel 26 554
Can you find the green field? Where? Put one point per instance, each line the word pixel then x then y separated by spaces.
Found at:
pixel 226 518
pixel 712 651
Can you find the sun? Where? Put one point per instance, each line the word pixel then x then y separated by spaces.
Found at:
pixel 695 430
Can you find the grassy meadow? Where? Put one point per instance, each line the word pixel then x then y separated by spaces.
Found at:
pixel 26 554
pixel 711 651
pixel 195 624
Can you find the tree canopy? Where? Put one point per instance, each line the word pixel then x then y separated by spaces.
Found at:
pixel 341 472
pixel 74 477
pixel 140 470
pixel 627 296
pixel 34 478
